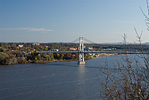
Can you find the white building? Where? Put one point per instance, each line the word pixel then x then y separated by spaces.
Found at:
pixel 36 43
pixel 20 45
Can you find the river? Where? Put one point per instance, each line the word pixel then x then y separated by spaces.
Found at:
pixel 54 81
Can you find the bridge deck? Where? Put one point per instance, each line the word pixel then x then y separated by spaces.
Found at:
pixel 108 52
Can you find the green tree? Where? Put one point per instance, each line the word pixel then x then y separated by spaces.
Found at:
pixel 68 56
pixel 3 58
pixel 61 56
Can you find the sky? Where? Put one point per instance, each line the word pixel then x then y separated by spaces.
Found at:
pixel 100 21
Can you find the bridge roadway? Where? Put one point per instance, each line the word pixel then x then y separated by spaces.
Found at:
pixel 107 52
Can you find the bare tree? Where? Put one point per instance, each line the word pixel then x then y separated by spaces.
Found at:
pixel 130 79
pixel 146 15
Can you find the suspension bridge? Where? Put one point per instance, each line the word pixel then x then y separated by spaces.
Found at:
pixel 81 51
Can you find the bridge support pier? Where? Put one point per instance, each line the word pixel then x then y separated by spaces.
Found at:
pixel 81 50
pixel 81 63
pixel 81 59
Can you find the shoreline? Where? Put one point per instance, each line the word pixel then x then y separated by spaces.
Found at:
pixel 98 56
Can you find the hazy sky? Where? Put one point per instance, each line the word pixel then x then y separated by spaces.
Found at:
pixel 66 20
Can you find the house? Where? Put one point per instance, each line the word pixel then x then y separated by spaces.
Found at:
pixel 20 45
pixel 36 43
pixel 46 46
pixel 89 48
pixel 72 49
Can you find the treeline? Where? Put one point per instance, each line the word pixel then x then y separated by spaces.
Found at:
pixel 19 53
pixel 65 46
pixel 10 58
pixel 7 58
pixel 69 56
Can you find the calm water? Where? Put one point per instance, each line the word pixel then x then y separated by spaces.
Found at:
pixel 53 81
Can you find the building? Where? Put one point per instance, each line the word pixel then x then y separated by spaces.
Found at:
pixel 46 46
pixel 73 49
pixel 55 50
pixel 89 49
pixel 20 45
pixel 36 43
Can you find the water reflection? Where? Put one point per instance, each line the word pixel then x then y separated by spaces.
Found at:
pixel 81 77
pixel 81 71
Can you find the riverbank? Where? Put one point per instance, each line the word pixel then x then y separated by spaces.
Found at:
pixel 92 57
pixel 60 60
pixel 105 55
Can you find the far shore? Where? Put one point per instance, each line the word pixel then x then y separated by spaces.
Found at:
pixel 63 60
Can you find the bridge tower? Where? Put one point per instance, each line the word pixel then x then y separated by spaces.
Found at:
pixel 81 52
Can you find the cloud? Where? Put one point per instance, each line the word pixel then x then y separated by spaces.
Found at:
pixel 26 29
